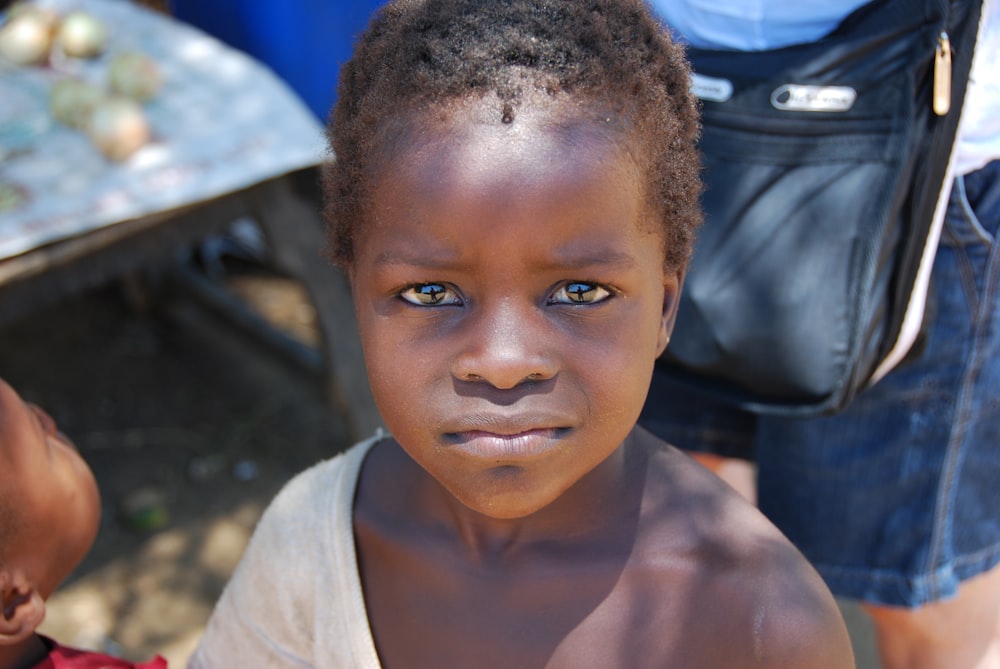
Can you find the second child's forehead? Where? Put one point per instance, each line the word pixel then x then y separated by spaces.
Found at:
pixel 14 417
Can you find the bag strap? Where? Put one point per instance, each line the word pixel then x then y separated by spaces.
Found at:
pixel 956 48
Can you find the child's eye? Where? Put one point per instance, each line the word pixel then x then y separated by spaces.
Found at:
pixel 430 294
pixel 579 292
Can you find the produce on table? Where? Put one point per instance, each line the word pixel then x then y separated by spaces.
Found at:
pixel 26 37
pixel 72 100
pixel 117 126
pixel 47 15
pixel 134 75
pixel 112 117
pixel 81 35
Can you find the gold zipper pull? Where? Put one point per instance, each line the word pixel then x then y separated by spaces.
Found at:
pixel 942 75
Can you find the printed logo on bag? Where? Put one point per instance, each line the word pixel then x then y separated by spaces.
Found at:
pixel 713 89
pixel 802 97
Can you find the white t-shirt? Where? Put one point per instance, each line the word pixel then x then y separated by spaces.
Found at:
pixel 295 600
pixel 751 25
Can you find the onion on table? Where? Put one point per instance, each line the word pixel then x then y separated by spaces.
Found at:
pixel 111 114
pixel 72 100
pixel 26 36
pixel 118 127
pixel 81 35
pixel 134 75
pixel 46 15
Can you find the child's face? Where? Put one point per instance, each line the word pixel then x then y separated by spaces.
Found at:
pixel 511 300
pixel 52 489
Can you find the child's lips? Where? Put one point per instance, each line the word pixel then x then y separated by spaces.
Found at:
pixel 507 445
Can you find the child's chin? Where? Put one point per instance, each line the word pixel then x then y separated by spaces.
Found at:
pixel 510 504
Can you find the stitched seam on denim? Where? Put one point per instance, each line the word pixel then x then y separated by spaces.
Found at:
pixel 924 580
pixel 958 193
pixel 890 587
pixel 989 554
pixel 955 453
pixel 919 588
pixel 970 213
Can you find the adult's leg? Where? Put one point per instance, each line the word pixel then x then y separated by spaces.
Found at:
pixel 958 633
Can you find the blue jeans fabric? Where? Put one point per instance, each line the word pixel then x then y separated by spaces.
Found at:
pixel 896 499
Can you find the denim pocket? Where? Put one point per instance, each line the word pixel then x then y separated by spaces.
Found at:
pixel 974 208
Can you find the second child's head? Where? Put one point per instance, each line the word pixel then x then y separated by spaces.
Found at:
pixel 49 513
pixel 514 196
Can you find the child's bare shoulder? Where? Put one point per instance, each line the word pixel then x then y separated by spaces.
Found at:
pixel 741 594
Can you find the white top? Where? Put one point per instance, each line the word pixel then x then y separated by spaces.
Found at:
pixel 296 600
pixel 751 25
pixel 979 131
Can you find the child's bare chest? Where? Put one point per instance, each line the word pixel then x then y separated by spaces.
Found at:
pixel 590 618
pixel 453 619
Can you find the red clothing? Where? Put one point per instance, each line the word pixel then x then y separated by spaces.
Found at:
pixel 63 657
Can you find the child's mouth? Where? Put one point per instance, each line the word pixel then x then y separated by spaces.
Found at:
pixel 529 443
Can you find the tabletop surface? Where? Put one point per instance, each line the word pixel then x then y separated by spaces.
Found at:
pixel 221 122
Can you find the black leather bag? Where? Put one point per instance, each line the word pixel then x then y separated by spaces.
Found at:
pixel 825 166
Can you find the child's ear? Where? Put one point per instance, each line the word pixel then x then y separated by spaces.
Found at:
pixel 22 608
pixel 672 284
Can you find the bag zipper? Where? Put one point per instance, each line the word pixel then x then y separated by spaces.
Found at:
pixel 942 75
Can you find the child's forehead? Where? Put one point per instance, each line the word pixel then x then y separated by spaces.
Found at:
pixel 459 188
pixel 474 134
pixel 483 167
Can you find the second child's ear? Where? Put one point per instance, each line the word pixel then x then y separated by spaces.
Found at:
pixel 672 284
pixel 22 608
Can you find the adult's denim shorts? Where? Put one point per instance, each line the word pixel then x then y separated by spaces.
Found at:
pixel 896 500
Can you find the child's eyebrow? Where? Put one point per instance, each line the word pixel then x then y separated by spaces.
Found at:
pixel 437 260
pixel 605 258
pixel 553 261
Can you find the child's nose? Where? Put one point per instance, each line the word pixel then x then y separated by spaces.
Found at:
pixel 505 347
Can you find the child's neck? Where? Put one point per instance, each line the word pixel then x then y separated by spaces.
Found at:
pixel 23 655
pixel 600 500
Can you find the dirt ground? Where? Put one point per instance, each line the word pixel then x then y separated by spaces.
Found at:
pixel 190 429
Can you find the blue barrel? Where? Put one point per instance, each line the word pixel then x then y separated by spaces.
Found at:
pixel 304 41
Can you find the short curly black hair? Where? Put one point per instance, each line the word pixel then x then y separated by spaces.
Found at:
pixel 610 54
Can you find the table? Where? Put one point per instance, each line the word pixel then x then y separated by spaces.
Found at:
pixel 229 141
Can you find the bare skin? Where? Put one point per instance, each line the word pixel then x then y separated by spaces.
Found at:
pixel 55 510
pixel 512 299
pixel 959 633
